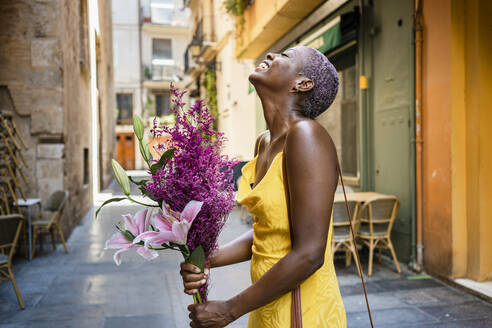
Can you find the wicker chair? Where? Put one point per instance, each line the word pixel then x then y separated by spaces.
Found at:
pixel 10 228
pixel 342 236
pixel 49 221
pixel 376 219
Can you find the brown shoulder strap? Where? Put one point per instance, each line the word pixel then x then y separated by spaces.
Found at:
pixel 296 309
pixel 356 251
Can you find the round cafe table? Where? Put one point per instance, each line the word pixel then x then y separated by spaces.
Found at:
pixel 360 197
pixel 28 203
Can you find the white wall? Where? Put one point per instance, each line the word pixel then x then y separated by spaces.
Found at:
pixel 237 115
pixel 126 58
pixel 126 52
pixel 179 41
pixel 126 55
pixel 125 12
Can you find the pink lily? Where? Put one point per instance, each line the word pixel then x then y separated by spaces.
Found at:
pixel 173 226
pixel 136 225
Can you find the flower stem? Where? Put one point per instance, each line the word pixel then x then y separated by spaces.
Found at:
pixel 136 201
pixel 185 250
pixel 197 298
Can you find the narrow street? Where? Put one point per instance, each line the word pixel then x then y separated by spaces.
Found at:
pixel 86 289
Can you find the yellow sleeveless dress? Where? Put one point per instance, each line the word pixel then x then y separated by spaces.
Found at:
pixel 321 301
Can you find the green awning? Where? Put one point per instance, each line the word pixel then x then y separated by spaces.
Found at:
pixel 328 40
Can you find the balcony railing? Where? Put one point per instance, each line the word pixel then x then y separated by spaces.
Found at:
pixel 164 15
pixel 164 72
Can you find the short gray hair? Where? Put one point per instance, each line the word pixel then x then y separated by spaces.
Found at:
pixel 325 77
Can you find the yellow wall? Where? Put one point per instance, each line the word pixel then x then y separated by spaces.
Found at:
pixel 458 141
pixel 478 67
pixel 457 86
pixel 268 20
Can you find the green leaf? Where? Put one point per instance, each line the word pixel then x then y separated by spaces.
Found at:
pixel 138 127
pixel 147 154
pixel 128 235
pixel 138 183
pixel 109 201
pixel 168 154
pixel 141 145
pixel 145 192
pixel 197 257
pixel 121 177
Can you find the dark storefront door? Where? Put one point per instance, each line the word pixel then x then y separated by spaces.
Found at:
pixel 125 150
pixel 392 116
pixel 392 168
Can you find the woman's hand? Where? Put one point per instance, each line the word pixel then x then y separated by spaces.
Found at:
pixel 193 278
pixel 213 314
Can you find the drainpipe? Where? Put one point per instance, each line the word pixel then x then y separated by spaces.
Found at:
pixel 140 22
pixel 418 266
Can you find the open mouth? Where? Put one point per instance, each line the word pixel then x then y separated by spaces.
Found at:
pixel 263 66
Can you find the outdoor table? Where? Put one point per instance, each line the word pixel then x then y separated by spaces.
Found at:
pixel 27 203
pixel 360 197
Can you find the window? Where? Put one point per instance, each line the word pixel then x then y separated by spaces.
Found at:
pixel 161 49
pixel 124 104
pixel 349 120
pixel 162 105
pixel 342 119
pixel 162 59
pixel 162 11
pixel 86 166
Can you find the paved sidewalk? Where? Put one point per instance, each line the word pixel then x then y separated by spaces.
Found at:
pixel 86 289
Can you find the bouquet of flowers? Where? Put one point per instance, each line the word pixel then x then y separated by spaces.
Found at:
pixel 190 185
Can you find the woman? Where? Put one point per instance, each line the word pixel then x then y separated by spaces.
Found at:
pixel 297 153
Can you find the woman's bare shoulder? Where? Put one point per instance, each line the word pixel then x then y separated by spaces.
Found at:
pixel 309 135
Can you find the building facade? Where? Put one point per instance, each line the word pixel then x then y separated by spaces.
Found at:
pixel 457 155
pixel 221 79
pixel 371 120
pixel 411 113
pixel 56 78
pixel 150 39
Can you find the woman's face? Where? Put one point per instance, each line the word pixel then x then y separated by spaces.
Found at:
pixel 279 71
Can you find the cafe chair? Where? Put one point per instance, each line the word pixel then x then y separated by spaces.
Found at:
pixel 376 219
pixel 49 219
pixel 342 237
pixel 10 228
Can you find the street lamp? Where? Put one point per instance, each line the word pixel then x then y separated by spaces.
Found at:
pixel 195 48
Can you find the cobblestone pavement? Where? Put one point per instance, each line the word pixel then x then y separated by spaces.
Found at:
pixel 86 289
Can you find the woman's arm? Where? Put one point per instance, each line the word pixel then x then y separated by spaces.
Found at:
pixel 311 172
pixel 238 250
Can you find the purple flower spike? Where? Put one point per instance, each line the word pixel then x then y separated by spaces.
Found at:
pixel 198 171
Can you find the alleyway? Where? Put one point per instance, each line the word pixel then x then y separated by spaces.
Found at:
pixel 86 289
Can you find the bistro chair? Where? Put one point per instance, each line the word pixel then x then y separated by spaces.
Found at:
pixel 342 237
pixel 49 219
pixel 4 202
pixel 10 227
pixel 376 219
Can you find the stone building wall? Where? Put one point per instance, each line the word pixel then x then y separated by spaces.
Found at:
pixel 107 139
pixel 45 67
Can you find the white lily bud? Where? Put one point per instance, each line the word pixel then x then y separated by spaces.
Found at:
pixel 121 177
pixel 138 127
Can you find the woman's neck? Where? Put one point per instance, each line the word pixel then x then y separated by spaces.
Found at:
pixel 280 113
